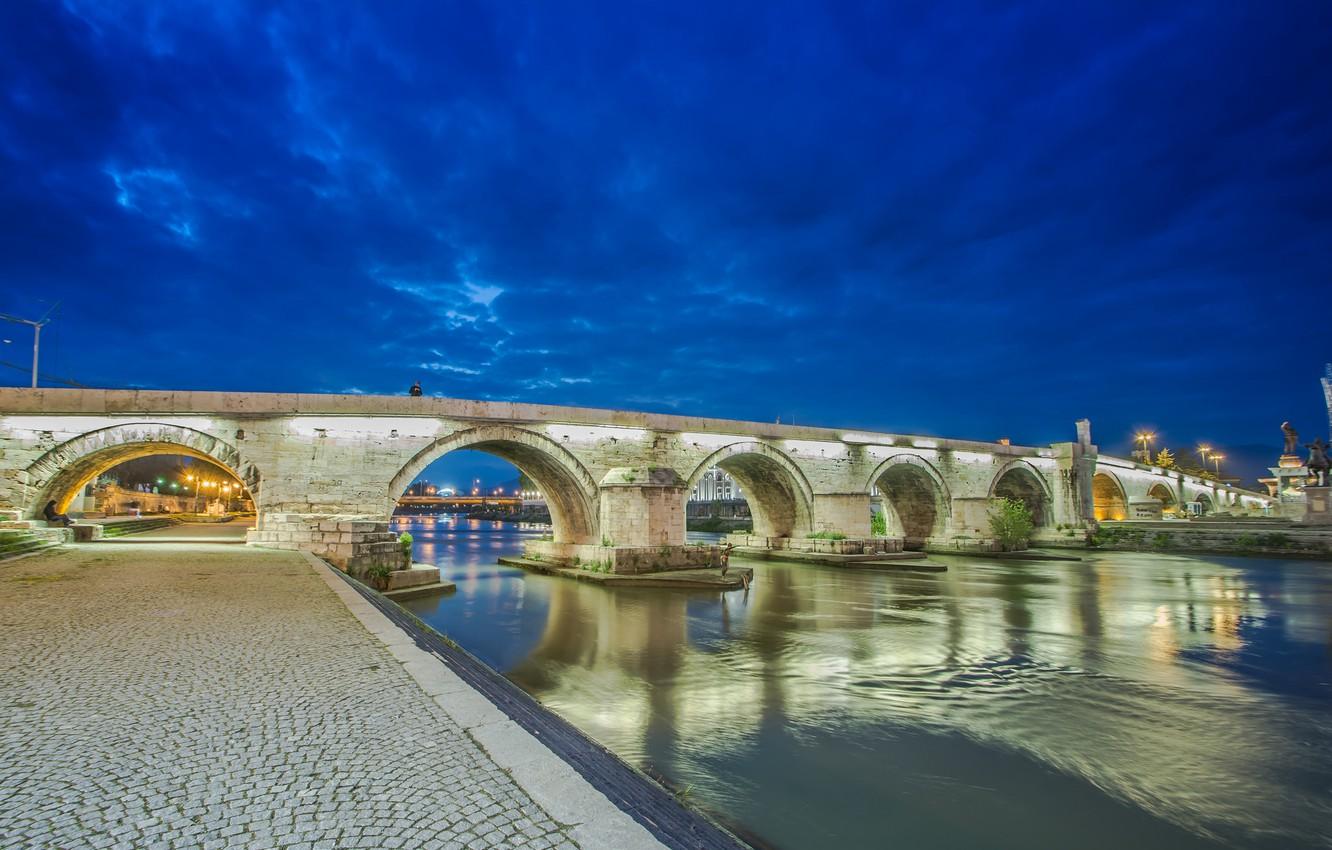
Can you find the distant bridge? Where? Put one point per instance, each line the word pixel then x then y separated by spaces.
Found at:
pixel 460 501
pixel 325 471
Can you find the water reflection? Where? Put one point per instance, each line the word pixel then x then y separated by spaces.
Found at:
pixel 1163 701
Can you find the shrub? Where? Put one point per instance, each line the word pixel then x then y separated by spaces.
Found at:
pixel 378 575
pixel 405 543
pixel 1161 540
pixel 878 524
pixel 826 535
pixel 1247 541
pixel 1011 523
pixel 606 541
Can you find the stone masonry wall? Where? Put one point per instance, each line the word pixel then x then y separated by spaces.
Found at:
pixel 311 460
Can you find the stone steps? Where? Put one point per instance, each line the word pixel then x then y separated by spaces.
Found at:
pixel 120 528
pixel 15 543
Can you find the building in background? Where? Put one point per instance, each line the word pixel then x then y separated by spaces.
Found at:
pixel 715 486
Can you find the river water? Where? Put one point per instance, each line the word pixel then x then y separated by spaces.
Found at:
pixel 1126 700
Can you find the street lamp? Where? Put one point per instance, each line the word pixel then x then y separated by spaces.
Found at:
pixel 36 336
pixel 1216 458
pixel 1145 438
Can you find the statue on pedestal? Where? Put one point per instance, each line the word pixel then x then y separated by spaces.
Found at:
pixel 1292 438
pixel 1318 462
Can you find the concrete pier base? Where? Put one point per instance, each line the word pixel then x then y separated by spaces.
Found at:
pixel 625 560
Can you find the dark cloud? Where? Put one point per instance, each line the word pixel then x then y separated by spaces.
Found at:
pixel 975 220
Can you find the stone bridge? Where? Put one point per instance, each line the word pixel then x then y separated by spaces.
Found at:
pixel 325 471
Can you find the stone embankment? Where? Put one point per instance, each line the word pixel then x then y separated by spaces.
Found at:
pixel 1275 538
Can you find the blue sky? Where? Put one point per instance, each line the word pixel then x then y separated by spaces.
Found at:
pixel 975 220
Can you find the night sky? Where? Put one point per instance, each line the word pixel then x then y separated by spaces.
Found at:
pixel 975 220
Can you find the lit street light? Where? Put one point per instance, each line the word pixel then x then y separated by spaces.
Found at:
pixel 1145 438
pixel 1216 458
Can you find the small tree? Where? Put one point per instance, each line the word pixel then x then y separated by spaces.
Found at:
pixel 878 524
pixel 1011 523
pixel 405 542
pixel 1165 459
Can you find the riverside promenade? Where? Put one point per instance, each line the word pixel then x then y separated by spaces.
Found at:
pixel 175 695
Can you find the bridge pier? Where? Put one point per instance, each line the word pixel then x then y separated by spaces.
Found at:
pixel 847 513
pixel 642 525
pixel 353 543
pixel 642 507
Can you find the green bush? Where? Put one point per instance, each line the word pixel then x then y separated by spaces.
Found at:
pixel 826 535
pixel 1161 540
pixel 405 543
pixel 878 524
pixel 378 575
pixel 1247 541
pixel 1011 523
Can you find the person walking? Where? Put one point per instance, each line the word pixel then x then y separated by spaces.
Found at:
pixel 415 390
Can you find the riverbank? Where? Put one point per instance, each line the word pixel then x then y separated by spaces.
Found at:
pixel 1254 538
pixel 326 714
pixel 718 525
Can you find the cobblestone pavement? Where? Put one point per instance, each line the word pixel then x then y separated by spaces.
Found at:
pixel 171 696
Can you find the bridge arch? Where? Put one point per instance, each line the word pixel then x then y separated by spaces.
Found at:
pixel 1204 499
pixel 1109 499
pixel 1163 494
pixel 1019 480
pixel 916 498
pixel 570 490
pixel 64 470
pixel 779 495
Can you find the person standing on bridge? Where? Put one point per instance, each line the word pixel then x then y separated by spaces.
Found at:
pixel 415 390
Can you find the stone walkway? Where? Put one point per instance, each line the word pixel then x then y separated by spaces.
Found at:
pixel 170 696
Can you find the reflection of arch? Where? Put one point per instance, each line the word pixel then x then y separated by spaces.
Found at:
pixel 1108 499
pixel 1163 494
pixel 1022 481
pixel 915 498
pixel 779 496
pixel 570 491
pixel 63 471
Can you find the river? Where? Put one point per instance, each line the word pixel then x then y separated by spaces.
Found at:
pixel 1142 700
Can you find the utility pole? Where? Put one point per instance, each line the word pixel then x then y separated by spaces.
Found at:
pixel 36 335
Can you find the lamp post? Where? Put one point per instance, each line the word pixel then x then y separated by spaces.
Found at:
pixel 36 337
pixel 1145 438
pixel 1216 458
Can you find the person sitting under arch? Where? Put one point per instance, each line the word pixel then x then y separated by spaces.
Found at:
pixel 54 516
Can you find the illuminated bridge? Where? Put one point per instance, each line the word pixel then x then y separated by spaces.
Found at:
pixel 325 471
